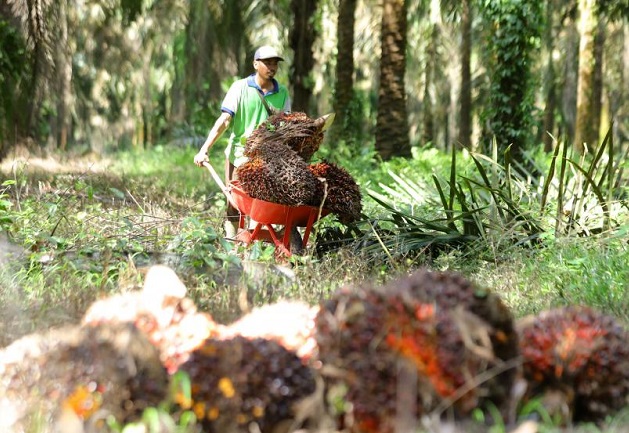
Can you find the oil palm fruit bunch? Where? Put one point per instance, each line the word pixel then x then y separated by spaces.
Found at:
pixel 398 356
pixel 339 192
pixel 276 173
pixel 238 382
pixel 290 323
pixel 295 130
pixel 577 358
pixel 161 310
pixel 452 291
pixel 79 375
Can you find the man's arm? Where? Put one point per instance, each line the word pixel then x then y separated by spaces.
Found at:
pixel 217 130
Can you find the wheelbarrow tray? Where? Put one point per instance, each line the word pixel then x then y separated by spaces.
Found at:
pixel 267 212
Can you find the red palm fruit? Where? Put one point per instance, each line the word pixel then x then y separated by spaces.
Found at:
pixel 451 290
pixel 343 194
pixel 580 355
pixel 240 381
pixel 277 174
pixel 391 350
pixel 80 371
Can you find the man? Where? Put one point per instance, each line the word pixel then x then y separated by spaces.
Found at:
pixel 244 109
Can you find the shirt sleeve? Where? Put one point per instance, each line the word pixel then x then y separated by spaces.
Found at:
pixel 287 104
pixel 232 98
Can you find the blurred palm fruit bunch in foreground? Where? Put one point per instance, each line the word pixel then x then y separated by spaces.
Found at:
pixel 401 354
pixel 278 170
pixel 576 358
pixel 162 312
pixel 79 376
pixel 251 371
pixel 240 382
pixel 494 320
pixel 289 323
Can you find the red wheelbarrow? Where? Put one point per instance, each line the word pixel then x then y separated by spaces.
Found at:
pixel 264 215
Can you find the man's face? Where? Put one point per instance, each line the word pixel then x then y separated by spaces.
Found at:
pixel 266 68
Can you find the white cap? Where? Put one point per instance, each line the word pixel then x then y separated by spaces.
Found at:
pixel 266 52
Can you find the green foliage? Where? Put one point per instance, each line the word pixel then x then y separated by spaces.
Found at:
pixel 489 208
pixel 12 69
pixel 171 168
pixel 201 244
pixel 582 272
pixel 130 10
pixel 614 9
pixel 349 130
pixel 513 35
pixel 6 217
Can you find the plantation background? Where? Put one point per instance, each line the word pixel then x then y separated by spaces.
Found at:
pixel 487 137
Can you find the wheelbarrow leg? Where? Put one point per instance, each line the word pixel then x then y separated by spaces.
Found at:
pixel 283 245
pixel 311 218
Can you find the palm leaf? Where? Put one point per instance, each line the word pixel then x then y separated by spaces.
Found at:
pixel 445 203
pixel 488 184
pixel 549 177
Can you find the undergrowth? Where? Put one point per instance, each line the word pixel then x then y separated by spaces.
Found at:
pixel 555 234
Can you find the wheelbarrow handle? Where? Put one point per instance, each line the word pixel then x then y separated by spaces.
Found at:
pixel 220 183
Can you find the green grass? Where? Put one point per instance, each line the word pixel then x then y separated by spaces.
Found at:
pixel 564 272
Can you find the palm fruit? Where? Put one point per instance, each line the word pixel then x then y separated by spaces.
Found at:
pixel 398 356
pixel 295 130
pixel 451 290
pixel 162 312
pixel 579 356
pixel 343 194
pixel 290 323
pixel 77 373
pixel 240 381
pixel 277 174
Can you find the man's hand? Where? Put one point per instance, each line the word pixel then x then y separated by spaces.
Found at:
pixel 219 126
pixel 200 158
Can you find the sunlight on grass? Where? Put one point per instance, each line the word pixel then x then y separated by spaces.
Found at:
pixel 565 272
pixel 171 169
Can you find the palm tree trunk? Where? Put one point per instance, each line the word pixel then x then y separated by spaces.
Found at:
pixel 343 89
pixel 64 76
pixel 392 121
pixel 549 82
pixel 465 107
pixel 597 82
pixel 428 99
pixel 302 36
pixel 585 130
pixel 569 80
pixel 37 25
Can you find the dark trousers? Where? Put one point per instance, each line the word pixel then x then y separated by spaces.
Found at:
pixel 231 213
